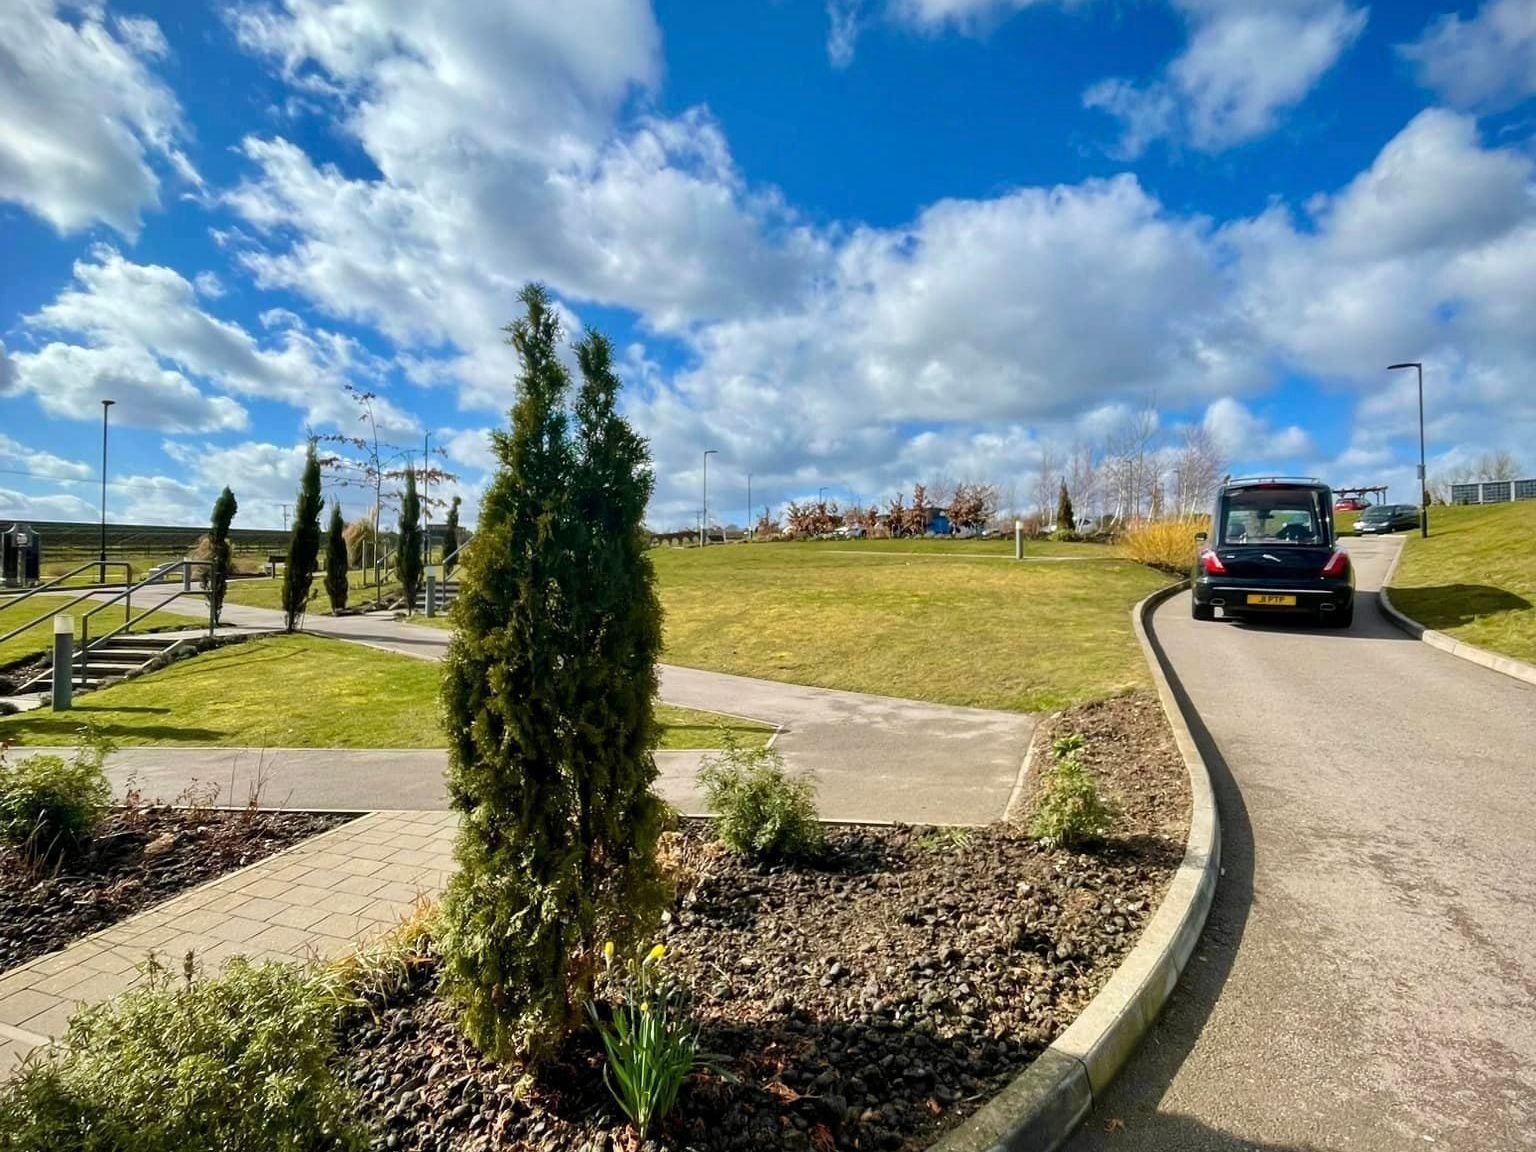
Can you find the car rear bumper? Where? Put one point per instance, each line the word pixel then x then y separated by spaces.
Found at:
pixel 1231 594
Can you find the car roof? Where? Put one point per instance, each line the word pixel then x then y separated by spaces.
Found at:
pixel 1273 481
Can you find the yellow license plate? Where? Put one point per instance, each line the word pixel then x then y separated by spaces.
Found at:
pixel 1272 599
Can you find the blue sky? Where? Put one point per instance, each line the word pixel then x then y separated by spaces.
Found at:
pixel 848 243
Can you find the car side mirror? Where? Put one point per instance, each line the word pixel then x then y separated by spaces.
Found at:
pixel 1202 536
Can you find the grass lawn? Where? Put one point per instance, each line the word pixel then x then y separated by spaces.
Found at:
pixel 916 619
pixel 40 639
pixel 297 692
pixel 1475 577
pixel 265 592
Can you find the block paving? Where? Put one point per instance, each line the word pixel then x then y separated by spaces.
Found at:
pixel 315 900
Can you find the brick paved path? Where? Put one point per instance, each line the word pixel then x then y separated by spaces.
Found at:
pixel 318 898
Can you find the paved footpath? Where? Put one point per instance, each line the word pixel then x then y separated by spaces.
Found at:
pixel 319 898
pixel 1367 977
pixel 874 757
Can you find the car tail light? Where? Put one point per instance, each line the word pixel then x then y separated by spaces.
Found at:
pixel 1337 565
pixel 1212 563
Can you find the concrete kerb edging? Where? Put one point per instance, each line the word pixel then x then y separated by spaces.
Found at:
pixel 1047 1101
pixel 1508 665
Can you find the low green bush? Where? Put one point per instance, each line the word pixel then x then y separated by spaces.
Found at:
pixel 1068 809
pixel 648 1035
pixel 49 806
pixel 238 1062
pixel 763 812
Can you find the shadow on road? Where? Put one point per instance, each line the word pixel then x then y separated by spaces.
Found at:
pixel 1126 1117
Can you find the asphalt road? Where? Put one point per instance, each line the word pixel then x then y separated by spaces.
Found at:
pixel 1367 977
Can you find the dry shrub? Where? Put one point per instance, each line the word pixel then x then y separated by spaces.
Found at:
pixel 1168 545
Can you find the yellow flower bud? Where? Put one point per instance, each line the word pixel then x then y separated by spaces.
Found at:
pixel 656 953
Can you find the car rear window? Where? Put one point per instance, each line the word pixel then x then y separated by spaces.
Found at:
pixel 1273 515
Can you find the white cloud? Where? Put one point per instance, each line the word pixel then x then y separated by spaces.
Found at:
pixel 843 20
pixel 966 15
pixel 1244 66
pixel 1486 62
pixel 41 464
pixel 81 113
pixel 1243 436
pixel 23 506
pixel 144 340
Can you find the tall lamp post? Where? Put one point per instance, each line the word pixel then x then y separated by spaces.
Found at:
pixel 1423 479
pixel 749 507
pixel 821 494
pixel 704 512
pixel 105 407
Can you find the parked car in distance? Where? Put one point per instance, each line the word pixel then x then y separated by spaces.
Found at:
pixel 1350 504
pixel 1271 551
pixel 1383 518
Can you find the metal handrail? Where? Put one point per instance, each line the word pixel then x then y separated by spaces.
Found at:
pixel 57 580
pixel 50 614
pixel 443 563
pixel 156 575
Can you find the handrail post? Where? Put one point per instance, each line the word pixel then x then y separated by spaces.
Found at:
pixel 186 576
pixel 85 644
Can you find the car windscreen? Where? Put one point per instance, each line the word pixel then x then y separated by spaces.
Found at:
pixel 1273 515
pixel 1381 512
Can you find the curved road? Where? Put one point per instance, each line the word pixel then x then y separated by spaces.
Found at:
pixel 1367 977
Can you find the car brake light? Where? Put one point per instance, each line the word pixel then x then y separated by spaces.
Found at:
pixel 1337 565
pixel 1212 563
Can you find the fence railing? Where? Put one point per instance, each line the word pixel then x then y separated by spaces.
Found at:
pixel 182 568
pixel 67 605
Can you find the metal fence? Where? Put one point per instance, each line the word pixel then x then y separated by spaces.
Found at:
pixel 1493 491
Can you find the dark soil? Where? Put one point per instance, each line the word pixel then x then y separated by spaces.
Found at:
pixel 870 1002
pixel 139 857
pixel 19 672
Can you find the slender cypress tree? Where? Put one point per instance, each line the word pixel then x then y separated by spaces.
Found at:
pixel 303 544
pixel 451 538
pixel 224 509
pixel 1065 520
pixel 336 586
pixel 408 562
pixel 547 691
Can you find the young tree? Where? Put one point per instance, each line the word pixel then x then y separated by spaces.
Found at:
pixel 303 544
pixel 220 557
pixel 1066 521
pixel 451 538
pixel 547 700
pixel 336 586
pixel 408 560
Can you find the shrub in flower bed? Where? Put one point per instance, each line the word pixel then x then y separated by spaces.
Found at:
pixel 762 811
pixel 240 1061
pixel 49 806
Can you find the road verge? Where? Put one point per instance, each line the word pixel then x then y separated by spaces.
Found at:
pixel 1046 1102
pixel 1508 665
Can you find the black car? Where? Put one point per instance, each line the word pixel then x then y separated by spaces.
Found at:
pixel 1271 551
pixel 1387 518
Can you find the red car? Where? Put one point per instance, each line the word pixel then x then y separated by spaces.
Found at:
pixel 1351 504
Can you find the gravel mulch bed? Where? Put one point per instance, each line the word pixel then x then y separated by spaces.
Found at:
pixel 139 857
pixel 871 1002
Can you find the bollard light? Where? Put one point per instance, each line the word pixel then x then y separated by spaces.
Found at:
pixel 63 658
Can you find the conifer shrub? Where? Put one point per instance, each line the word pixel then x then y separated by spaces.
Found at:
pixel 761 810
pixel 303 544
pixel 337 588
pixel 548 690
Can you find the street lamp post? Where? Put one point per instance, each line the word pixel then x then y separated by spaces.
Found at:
pixel 821 494
pixel 105 407
pixel 704 511
pixel 1423 478
pixel 749 507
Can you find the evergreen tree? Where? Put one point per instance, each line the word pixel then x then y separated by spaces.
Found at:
pixel 220 554
pixel 451 538
pixel 547 698
pixel 408 559
pixel 1065 520
pixel 303 544
pixel 336 586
